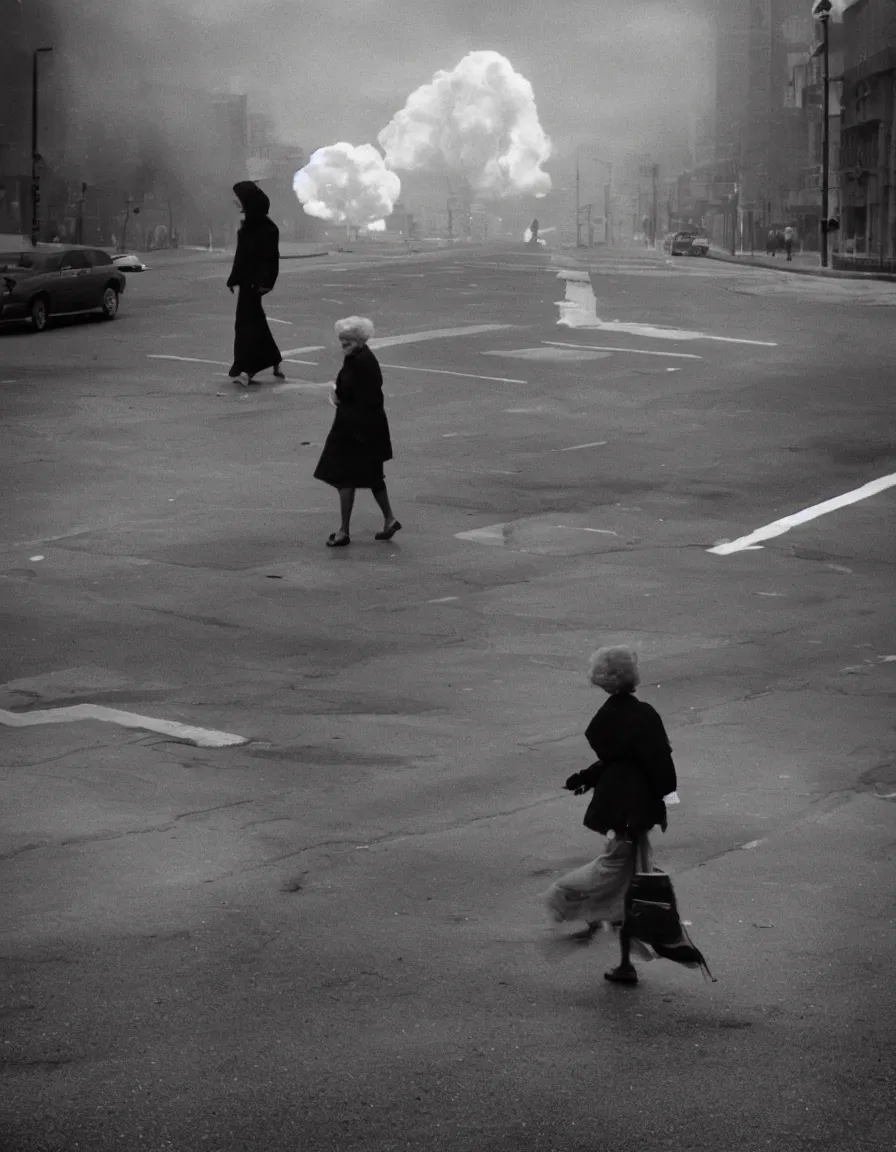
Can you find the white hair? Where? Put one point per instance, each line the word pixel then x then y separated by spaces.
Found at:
pixel 615 669
pixel 357 327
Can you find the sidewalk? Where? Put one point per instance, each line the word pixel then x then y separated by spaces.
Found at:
pixel 803 263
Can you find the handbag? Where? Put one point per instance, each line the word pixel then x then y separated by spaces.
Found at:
pixel 651 916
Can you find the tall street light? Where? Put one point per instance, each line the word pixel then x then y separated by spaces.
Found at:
pixel 35 155
pixel 822 12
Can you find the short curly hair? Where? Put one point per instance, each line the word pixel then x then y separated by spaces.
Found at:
pixel 357 327
pixel 615 669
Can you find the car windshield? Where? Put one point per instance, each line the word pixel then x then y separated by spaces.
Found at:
pixel 34 261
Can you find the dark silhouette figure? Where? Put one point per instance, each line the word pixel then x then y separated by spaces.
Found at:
pixel 255 268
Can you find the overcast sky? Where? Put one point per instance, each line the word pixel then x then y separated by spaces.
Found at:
pixel 613 75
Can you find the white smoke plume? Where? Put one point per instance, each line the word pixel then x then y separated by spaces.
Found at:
pixel 347 185
pixel 479 119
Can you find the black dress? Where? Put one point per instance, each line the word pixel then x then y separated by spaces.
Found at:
pixel 358 443
pixel 255 268
pixel 635 770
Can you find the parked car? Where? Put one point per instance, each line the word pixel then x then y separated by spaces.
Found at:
pixel 38 284
pixel 699 246
pixel 128 262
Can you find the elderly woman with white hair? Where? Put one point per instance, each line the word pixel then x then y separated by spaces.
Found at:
pixel 358 444
pixel 631 778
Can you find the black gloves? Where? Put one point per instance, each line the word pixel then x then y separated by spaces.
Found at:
pixel 576 785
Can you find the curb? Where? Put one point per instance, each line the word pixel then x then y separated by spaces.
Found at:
pixel 821 273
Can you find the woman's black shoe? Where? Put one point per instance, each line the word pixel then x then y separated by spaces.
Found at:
pixel 389 532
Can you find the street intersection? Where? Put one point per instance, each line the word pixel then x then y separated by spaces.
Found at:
pixel 327 932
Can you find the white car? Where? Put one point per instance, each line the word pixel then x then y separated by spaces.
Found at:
pixel 128 262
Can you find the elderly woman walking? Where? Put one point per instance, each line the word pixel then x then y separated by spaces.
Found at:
pixel 632 776
pixel 255 268
pixel 358 444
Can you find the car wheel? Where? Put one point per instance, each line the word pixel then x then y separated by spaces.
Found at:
pixel 110 302
pixel 40 314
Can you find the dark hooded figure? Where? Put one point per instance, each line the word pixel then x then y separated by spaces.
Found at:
pixel 255 268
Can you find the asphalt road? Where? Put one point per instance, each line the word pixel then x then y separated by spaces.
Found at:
pixel 331 937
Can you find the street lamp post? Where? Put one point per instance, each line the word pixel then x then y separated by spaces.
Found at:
pixel 822 12
pixel 35 155
pixel 578 207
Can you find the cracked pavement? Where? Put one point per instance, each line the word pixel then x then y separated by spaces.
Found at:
pixel 331 937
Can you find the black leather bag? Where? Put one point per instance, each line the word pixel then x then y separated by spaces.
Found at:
pixel 651 915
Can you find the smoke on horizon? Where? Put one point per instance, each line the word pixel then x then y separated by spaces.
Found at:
pixel 479 120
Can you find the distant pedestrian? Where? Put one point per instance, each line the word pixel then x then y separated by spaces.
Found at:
pixel 789 237
pixel 358 444
pixel 632 776
pixel 771 242
pixel 255 268
pixel 533 229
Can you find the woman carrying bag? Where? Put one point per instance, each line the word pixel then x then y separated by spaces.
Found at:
pixel 631 780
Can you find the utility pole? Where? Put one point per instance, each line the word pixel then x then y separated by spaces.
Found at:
pixel 608 206
pixel 822 12
pixel 655 171
pixel 578 206
pixel 35 155
pixel 79 227
pixel 735 208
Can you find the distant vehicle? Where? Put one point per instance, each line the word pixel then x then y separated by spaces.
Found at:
pixel 39 284
pixel 685 244
pixel 128 262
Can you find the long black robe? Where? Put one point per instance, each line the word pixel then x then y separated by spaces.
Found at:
pixel 358 443
pixel 255 268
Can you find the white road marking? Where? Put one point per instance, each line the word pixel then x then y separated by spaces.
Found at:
pixel 435 334
pixel 557 353
pixel 274 320
pixel 202 737
pixel 443 600
pixel 599 531
pixel 313 363
pixel 466 375
pixel 494 534
pixel 186 359
pixel 34 559
pixel 298 351
pixel 779 527
pixel 637 351
pixel 299 386
pixel 576 447
pixel 579 310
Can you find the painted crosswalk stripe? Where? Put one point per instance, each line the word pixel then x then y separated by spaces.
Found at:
pixel 436 334
pixel 445 372
pixel 202 737
pixel 576 447
pixel 637 351
pixel 185 359
pixel 779 527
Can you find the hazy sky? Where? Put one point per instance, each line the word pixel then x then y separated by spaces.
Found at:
pixel 614 75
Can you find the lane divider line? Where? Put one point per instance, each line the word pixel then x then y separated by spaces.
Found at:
pixel 466 375
pixel 436 334
pixel 638 351
pixel 576 447
pixel 201 737
pixel 779 527
pixel 186 359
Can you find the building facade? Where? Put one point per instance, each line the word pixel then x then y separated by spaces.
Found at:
pixel 868 139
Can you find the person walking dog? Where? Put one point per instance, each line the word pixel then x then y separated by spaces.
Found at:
pixel 630 780
pixel 359 443
pixel 255 268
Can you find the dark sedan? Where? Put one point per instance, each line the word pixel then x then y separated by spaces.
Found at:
pixel 38 284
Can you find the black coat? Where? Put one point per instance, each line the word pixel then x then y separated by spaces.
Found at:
pixel 358 443
pixel 257 260
pixel 634 771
